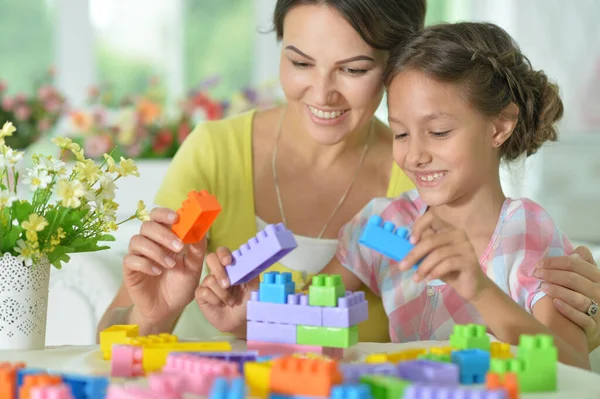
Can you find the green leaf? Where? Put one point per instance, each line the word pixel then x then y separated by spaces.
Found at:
pixel 106 237
pixel 60 255
pixel 22 210
pixel 9 241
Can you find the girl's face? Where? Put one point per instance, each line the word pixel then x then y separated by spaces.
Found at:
pixel 331 77
pixel 441 142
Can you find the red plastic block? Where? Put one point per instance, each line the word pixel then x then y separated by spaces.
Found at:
pixel 126 361
pixel 272 348
pixel 304 377
pixel 196 215
pixel 8 379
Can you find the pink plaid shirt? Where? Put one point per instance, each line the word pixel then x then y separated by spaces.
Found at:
pixel 525 233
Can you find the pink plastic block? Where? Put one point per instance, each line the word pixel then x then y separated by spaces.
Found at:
pixel 168 385
pixel 198 372
pixel 295 311
pixel 352 309
pixel 60 391
pixel 270 348
pixel 130 392
pixel 126 361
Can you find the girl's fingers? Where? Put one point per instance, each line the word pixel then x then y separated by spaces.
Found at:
pixel 143 246
pixel 217 270
pixel 212 284
pixel 140 264
pixel 434 258
pixel 425 246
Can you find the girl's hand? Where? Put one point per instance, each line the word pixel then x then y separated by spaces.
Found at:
pixel 224 306
pixel 447 255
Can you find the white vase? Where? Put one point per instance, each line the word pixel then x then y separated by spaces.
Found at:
pixel 23 303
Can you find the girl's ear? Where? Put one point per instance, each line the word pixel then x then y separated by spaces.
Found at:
pixel 505 123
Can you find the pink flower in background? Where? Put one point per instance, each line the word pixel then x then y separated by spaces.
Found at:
pixel 93 92
pixel 45 92
pixel 22 112
pixel 20 98
pixel 53 105
pixel 43 125
pixel 95 146
pixel 99 116
pixel 2 86
pixel 134 150
pixel 8 103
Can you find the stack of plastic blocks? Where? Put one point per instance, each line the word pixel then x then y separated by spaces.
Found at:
pixel 324 321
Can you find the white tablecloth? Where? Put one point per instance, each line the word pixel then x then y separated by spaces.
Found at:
pixel 573 383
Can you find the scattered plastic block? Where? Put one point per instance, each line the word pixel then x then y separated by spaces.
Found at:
pixel 131 392
pixel 352 309
pixel 8 379
pixel 395 357
pixel 86 386
pixel 258 378
pixel 295 311
pixel 469 336
pixel 385 386
pixel 274 348
pixel 259 253
pixel 199 373
pixel 24 372
pixel 327 336
pixel 223 389
pixel 386 239
pixel 429 372
pixel 500 350
pixel 35 381
pixel 352 372
pixel 167 385
pixel 326 290
pixel 473 364
pixel 508 382
pixel 347 391
pixel 116 334
pixel 197 213
pixel 238 358
pixel 275 287
pixel 304 377
pixel 126 361
pixel 271 332
pixel 417 391
pixel 435 357
pixel 60 391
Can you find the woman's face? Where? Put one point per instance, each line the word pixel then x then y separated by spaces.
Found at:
pixel 331 77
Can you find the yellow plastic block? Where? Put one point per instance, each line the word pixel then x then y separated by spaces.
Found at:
pixel 440 350
pixel 152 339
pixel 116 334
pixel 396 357
pixel 500 350
pixel 155 355
pixel 258 378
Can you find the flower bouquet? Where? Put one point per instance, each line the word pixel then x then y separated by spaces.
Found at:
pixel 34 115
pixel 69 211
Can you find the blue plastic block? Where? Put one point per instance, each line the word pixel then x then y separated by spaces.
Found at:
pixel 276 287
pixel 222 389
pixel 351 391
pixel 21 373
pixel 473 364
pixel 386 239
pixel 86 386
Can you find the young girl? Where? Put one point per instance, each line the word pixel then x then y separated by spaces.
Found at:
pixel 462 97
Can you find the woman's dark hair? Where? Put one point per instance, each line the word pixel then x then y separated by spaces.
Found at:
pixel 383 24
pixel 484 60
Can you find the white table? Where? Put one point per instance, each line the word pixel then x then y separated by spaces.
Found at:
pixel 573 383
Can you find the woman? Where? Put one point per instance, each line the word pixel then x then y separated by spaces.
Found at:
pixel 311 164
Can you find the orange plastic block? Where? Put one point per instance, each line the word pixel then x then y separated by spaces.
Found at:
pixel 304 377
pixel 508 382
pixel 196 215
pixel 500 350
pixel 8 379
pixel 37 380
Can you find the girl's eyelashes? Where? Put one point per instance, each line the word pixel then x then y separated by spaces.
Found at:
pixel 299 64
pixel 440 134
pixel 349 71
pixel 398 136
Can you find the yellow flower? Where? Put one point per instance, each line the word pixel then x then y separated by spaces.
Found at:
pixel 78 152
pixel 87 170
pixel 26 253
pixel 110 164
pixel 63 142
pixel 128 168
pixel 141 213
pixel 60 233
pixel 7 130
pixel 35 223
pixel 70 193
pixel 111 226
pixel 32 238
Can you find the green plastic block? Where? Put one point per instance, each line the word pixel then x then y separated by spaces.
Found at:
pixel 470 336
pixel 385 387
pixel 436 358
pixel 325 290
pixel 530 379
pixel 327 336
pixel 502 366
pixel 540 358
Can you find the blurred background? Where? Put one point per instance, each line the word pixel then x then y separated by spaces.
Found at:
pixel 141 73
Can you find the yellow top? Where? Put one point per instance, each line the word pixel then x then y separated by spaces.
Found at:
pixel 217 157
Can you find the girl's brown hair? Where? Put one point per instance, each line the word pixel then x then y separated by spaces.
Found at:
pixel 484 60
pixel 382 24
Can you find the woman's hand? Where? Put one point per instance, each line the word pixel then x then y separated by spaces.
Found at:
pixel 447 255
pixel 574 282
pixel 160 273
pixel 222 305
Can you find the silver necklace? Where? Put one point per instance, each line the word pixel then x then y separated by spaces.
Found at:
pixel 342 199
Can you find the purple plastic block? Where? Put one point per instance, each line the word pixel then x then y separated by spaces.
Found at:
pixel 234 357
pixel 296 311
pixel 260 252
pixel 271 332
pixel 353 371
pixel 427 371
pixel 352 309
pixel 417 391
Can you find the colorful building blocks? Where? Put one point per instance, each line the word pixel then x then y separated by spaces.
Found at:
pixel 116 334
pixel 418 391
pixel 470 336
pixel 500 350
pixel 224 389
pixel 271 332
pixel 296 311
pixel 258 378
pixel 325 290
pixel 385 387
pixel 238 358
pixel 126 361
pixel 197 213
pixel 60 391
pixel 304 377
pixel 167 385
pixel 508 382
pixel 8 379
pixel 386 239
pixel 273 348
pixel 347 391
pixel 275 287
pixel 259 253
pixel 36 380
pixel 430 372
pixel 327 336
pixel 352 372
pixel 86 386
pixel 395 357
pixel 473 364
pixel 352 309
